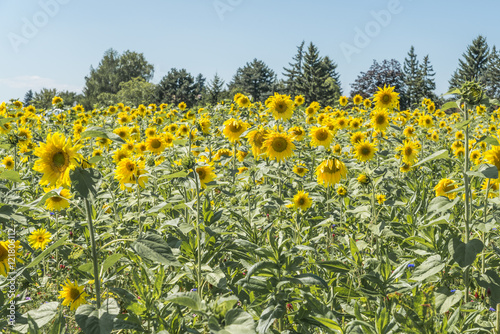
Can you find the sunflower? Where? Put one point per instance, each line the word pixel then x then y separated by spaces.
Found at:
pixel 256 139
pixel 299 100
pixel 409 131
pixel 168 139
pixel 475 156
pixel 123 132
pixel 409 151
pixel 300 169
pixel 357 99
pixel 281 106
pixel 278 146
pixel 24 135
pixel 367 103
pixel 241 155
pixel 444 188
pixel 380 120
pixel 380 198
pixel 297 132
pixel 321 136
pixel 8 162
pixel 182 106
pixel 56 158
pixel 130 171
pixel 155 144
pixel 223 152
pixel 302 201
pixel 330 171
pixel 426 121
pixel 386 98
pixel 343 101
pixel 494 185
pixel 243 101
pixel 73 295
pixel 459 135
pixel 341 191
pixel 57 100
pixel 103 142
pixel 357 137
pixel 434 136
pixel 233 128
pixel 57 202
pixel 120 154
pixel 183 131
pixel 310 111
pixel 172 128
pixel 206 174
pixel 150 132
pixel 364 151
pixel 39 238
pixel 123 118
pixel 6 264
pixel 355 124
pixel 362 178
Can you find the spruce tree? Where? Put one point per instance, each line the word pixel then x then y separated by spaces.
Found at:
pixel 215 89
pixel 412 77
pixel 492 76
pixel 473 65
pixel 256 79
pixel 427 85
pixel 293 73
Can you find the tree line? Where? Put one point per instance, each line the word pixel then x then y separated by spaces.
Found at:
pixel 127 78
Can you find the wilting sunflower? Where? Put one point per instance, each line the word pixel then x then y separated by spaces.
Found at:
pixel 39 238
pixel 6 264
pixel 278 146
pixel 281 106
pixel 256 139
pixel 300 169
pixel 57 202
pixel 155 144
pixel 302 201
pixel 206 174
pixel 8 162
pixel 330 171
pixel 409 151
pixel 380 120
pixel 73 295
pixel 444 188
pixel 364 151
pixel 56 158
pixel 233 128
pixel 321 136
pixel 386 98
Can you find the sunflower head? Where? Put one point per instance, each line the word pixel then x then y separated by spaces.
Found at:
pixel 278 146
pixel 386 98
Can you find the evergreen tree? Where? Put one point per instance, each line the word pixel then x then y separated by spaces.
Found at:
pixel 492 76
pixel 333 90
pixel 256 79
pixel 473 65
pixel 412 77
pixel 28 97
pixel 427 85
pixel 293 73
pixel 215 89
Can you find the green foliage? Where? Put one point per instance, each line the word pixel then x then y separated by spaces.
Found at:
pixel 255 79
pixel 473 65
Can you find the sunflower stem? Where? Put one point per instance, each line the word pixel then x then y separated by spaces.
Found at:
pixel 138 193
pixel 485 211
pixel 97 280
pixel 198 234
pixel 467 198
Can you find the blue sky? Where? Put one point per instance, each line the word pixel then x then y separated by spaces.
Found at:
pixel 53 43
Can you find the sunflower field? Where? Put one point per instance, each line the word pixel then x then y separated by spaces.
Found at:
pixel 249 217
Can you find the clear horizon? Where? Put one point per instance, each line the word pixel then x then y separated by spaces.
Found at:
pixel 53 43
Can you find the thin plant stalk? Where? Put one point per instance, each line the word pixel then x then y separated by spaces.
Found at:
pixel 467 198
pixel 485 211
pixel 198 233
pixel 97 280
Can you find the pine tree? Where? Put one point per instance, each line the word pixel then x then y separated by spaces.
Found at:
pixel 427 85
pixel 492 76
pixel 215 89
pixel 473 65
pixel 28 98
pixel 293 73
pixel 412 77
pixel 256 79
pixel 333 90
